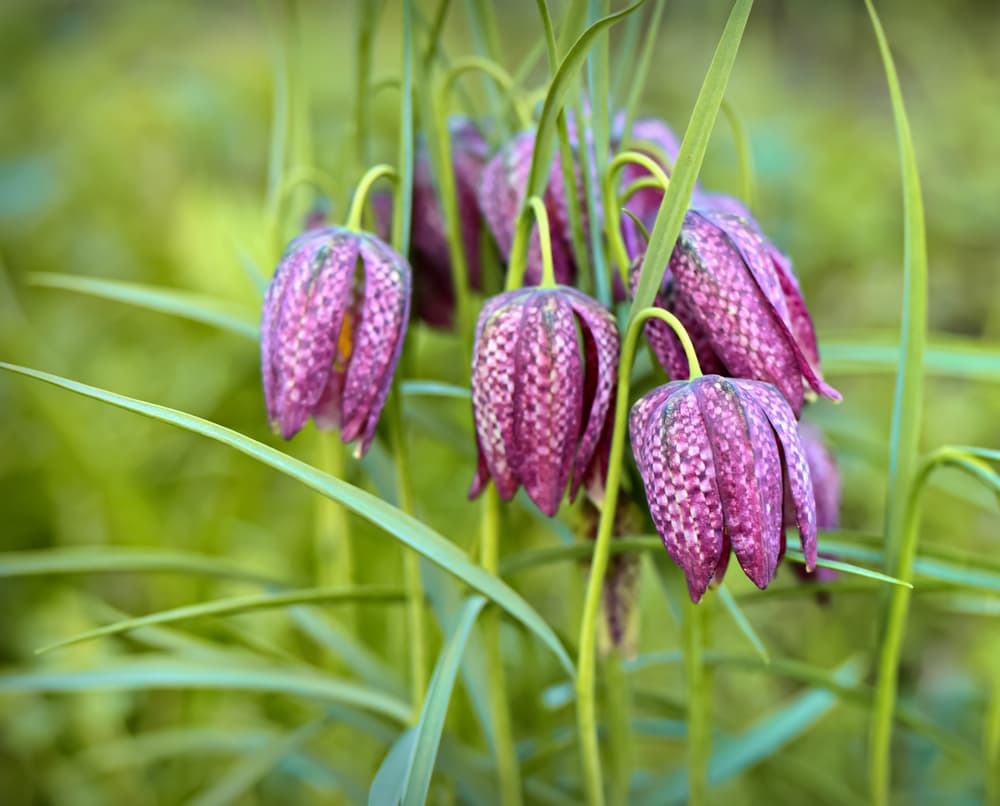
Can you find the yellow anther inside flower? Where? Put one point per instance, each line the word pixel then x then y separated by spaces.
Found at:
pixel 345 344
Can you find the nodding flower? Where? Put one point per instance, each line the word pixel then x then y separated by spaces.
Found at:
pixel 332 329
pixel 543 379
pixel 719 458
pixel 738 298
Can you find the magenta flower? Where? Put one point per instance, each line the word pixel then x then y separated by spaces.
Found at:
pixel 433 290
pixel 718 458
pixel 736 295
pixel 334 319
pixel 540 404
pixel 504 181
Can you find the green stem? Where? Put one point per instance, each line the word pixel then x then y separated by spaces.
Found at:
pixel 599 124
pixel 495 71
pixel 334 555
pixel 533 211
pixel 280 124
pixel 506 757
pixel 411 561
pixel 586 661
pixel 699 698
pixel 744 159
pixel 617 703
pixel 372 175
pixel 638 72
pixel 891 645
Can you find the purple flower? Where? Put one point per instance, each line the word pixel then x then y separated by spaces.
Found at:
pixel 718 458
pixel 334 319
pixel 826 487
pixel 502 187
pixel 433 291
pixel 736 295
pixel 540 403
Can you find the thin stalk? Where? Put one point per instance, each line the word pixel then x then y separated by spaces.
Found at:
pixel 486 43
pixel 367 13
pixel 508 772
pixel 499 75
pixel 886 684
pixel 744 158
pixel 372 175
pixel 586 661
pixel 545 240
pixel 280 124
pixel 333 549
pixel 533 211
pixel 434 35
pixel 699 698
pixel 638 75
pixel 599 124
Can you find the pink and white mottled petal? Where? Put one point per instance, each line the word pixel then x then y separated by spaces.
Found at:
pixel 377 339
pixel 601 348
pixel 824 474
pixel 712 277
pixel 547 400
pixel 493 375
pixel 312 305
pixel 752 517
pixel 800 487
pixel 801 321
pixel 678 472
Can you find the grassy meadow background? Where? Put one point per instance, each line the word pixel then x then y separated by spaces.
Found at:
pixel 134 146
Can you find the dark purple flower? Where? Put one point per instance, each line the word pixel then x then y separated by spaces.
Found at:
pixel 433 290
pixel 739 300
pixel 503 183
pixel 333 323
pixel 541 403
pixel 718 458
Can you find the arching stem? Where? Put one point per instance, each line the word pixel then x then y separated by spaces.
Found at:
pixel 372 175
pixel 532 212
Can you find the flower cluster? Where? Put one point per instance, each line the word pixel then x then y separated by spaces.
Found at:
pixel 723 461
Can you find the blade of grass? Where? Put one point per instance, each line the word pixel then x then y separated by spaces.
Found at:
pixel 837 565
pixel 196 307
pixel 434 389
pixel 743 622
pixel 638 74
pixel 417 781
pixel 744 156
pixel 236 605
pixel 387 785
pixel 405 528
pixel 168 673
pixel 951 357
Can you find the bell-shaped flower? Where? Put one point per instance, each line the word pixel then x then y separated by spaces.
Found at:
pixel 740 302
pixel 543 378
pixel 502 188
pixel 718 458
pixel 433 289
pixel 333 323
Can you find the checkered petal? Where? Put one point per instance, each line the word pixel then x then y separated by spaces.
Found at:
pixel 748 473
pixel 377 339
pixel 824 474
pixel 601 346
pixel 301 321
pixel 673 452
pixel 798 481
pixel 547 400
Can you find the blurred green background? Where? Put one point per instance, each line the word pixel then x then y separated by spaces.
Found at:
pixel 134 146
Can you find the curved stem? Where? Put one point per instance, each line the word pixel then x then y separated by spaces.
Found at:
pixel 372 175
pixel 699 723
pixel 506 757
pixel 880 734
pixel 586 661
pixel 498 74
pixel 744 160
pixel 612 225
pixel 333 549
pixel 533 211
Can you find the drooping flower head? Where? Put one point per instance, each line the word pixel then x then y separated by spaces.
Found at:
pixel 433 289
pixel 333 323
pixel 737 296
pixel 718 458
pixel 540 403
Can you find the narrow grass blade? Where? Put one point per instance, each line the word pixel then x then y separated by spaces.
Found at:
pixel 100 560
pixel 692 153
pixel 436 701
pixel 434 389
pixel 405 528
pixel 196 307
pixel 950 357
pixel 823 562
pixel 390 778
pixel 744 158
pixel 743 622
pixel 239 604
pixel 168 673
pixel 248 771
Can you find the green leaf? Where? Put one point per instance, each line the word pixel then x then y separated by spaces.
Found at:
pixel 405 528
pixel 100 560
pixel 689 159
pixel 151 672
pixel 239 604
pixel 245 774
pixel 434 389
pixel 743 622
pixel 735 754
pixel 824 562
pixel 744 158
pixel 436 701
pixel 387 785
pixel 952 357
pixel 187 305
